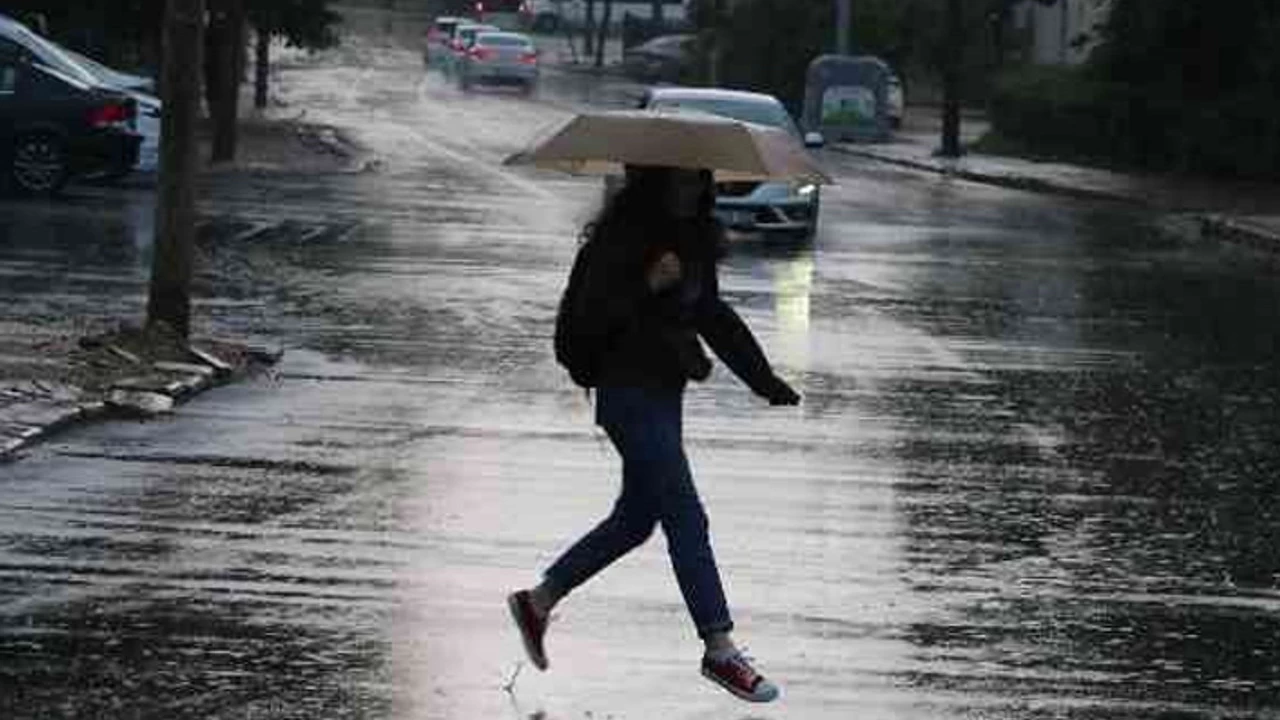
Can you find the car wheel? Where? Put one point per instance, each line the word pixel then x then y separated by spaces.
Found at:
pixel 529 88
pixel 39 164
pixel 464 82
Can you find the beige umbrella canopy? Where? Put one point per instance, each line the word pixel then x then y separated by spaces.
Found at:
pixel 602 143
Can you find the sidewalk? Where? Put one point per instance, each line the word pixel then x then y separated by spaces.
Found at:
pixel 69 360
pixel 1246 213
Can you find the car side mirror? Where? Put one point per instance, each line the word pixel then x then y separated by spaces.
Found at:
pixel 814 139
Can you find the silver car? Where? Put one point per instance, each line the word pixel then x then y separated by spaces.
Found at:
pixel 771 207
pixel 500 58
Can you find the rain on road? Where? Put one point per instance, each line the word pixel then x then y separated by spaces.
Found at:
pixel 1034 474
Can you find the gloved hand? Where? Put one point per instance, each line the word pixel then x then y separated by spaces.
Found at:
pixel 780 393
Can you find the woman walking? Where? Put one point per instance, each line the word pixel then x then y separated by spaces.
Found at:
pixel 648 293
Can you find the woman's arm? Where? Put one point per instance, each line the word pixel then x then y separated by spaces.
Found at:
pixel 732 341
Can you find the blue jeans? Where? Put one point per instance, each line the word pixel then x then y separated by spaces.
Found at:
pixel 645 426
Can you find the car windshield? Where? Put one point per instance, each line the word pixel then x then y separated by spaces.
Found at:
pixel 752 111
pixel 491 40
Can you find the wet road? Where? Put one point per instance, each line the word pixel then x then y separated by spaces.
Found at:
pixel 1034 474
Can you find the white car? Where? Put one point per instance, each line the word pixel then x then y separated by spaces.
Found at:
pixel 768 207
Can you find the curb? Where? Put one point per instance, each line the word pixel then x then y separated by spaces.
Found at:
pixel 1013 182
pixel 1239 232
pixel 1215 227
pixel 158 392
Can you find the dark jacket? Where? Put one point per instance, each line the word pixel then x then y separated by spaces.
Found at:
pixel 651 339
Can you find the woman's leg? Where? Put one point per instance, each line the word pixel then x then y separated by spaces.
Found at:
pixel 684 522
pixel 635 513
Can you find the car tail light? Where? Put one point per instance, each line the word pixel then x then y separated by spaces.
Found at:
pixel 529 58
pixel 482 54
pixel 111 115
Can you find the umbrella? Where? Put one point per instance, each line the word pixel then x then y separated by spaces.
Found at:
pixel 601 143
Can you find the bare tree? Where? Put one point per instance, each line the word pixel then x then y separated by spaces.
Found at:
pixel 605 22
pixel 224 70
pixel 951 81
pixel 169 301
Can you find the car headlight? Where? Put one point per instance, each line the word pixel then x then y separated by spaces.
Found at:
pixel 804 190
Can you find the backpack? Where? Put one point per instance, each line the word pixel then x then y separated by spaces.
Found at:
pixel 577 351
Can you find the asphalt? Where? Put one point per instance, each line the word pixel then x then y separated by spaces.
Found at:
pixel 1033 475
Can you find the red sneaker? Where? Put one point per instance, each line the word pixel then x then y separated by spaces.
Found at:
pixel 735 674
pixel 532 626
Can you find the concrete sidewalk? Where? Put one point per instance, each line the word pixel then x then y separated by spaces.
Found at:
pixel 59 361
pixel 1246 213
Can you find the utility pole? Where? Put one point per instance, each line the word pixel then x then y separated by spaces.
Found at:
pixel 844 22
pixel 951 82
pixel 169 299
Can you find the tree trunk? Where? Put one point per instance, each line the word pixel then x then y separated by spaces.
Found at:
pixel 604 32
pixel 261 69
pixel 169 299
pixel 226 70
pixel 951 82
pixel 844 26
pixel 589 29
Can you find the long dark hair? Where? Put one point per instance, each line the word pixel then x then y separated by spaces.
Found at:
pixel 640 212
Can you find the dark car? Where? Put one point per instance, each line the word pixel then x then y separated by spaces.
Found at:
pixel 662 59
pixel 54 127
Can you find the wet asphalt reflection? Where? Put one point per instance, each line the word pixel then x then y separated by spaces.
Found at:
pixel 1034 474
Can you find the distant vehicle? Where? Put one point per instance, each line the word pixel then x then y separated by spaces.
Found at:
pixel 662 59
pixel 504 14
pixel 552 15
pixel 770 207
pixel 542 16
pixel 54 127
pixel 463 35
pixel 439 35
pixel 500 58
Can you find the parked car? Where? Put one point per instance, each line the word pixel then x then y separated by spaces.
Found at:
pixel 37 48
pixel 770 207
pixel 439 35
pixel 500 58
pixel 150 108
pixel 542 16
pixel 662 59
pixel 54 126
